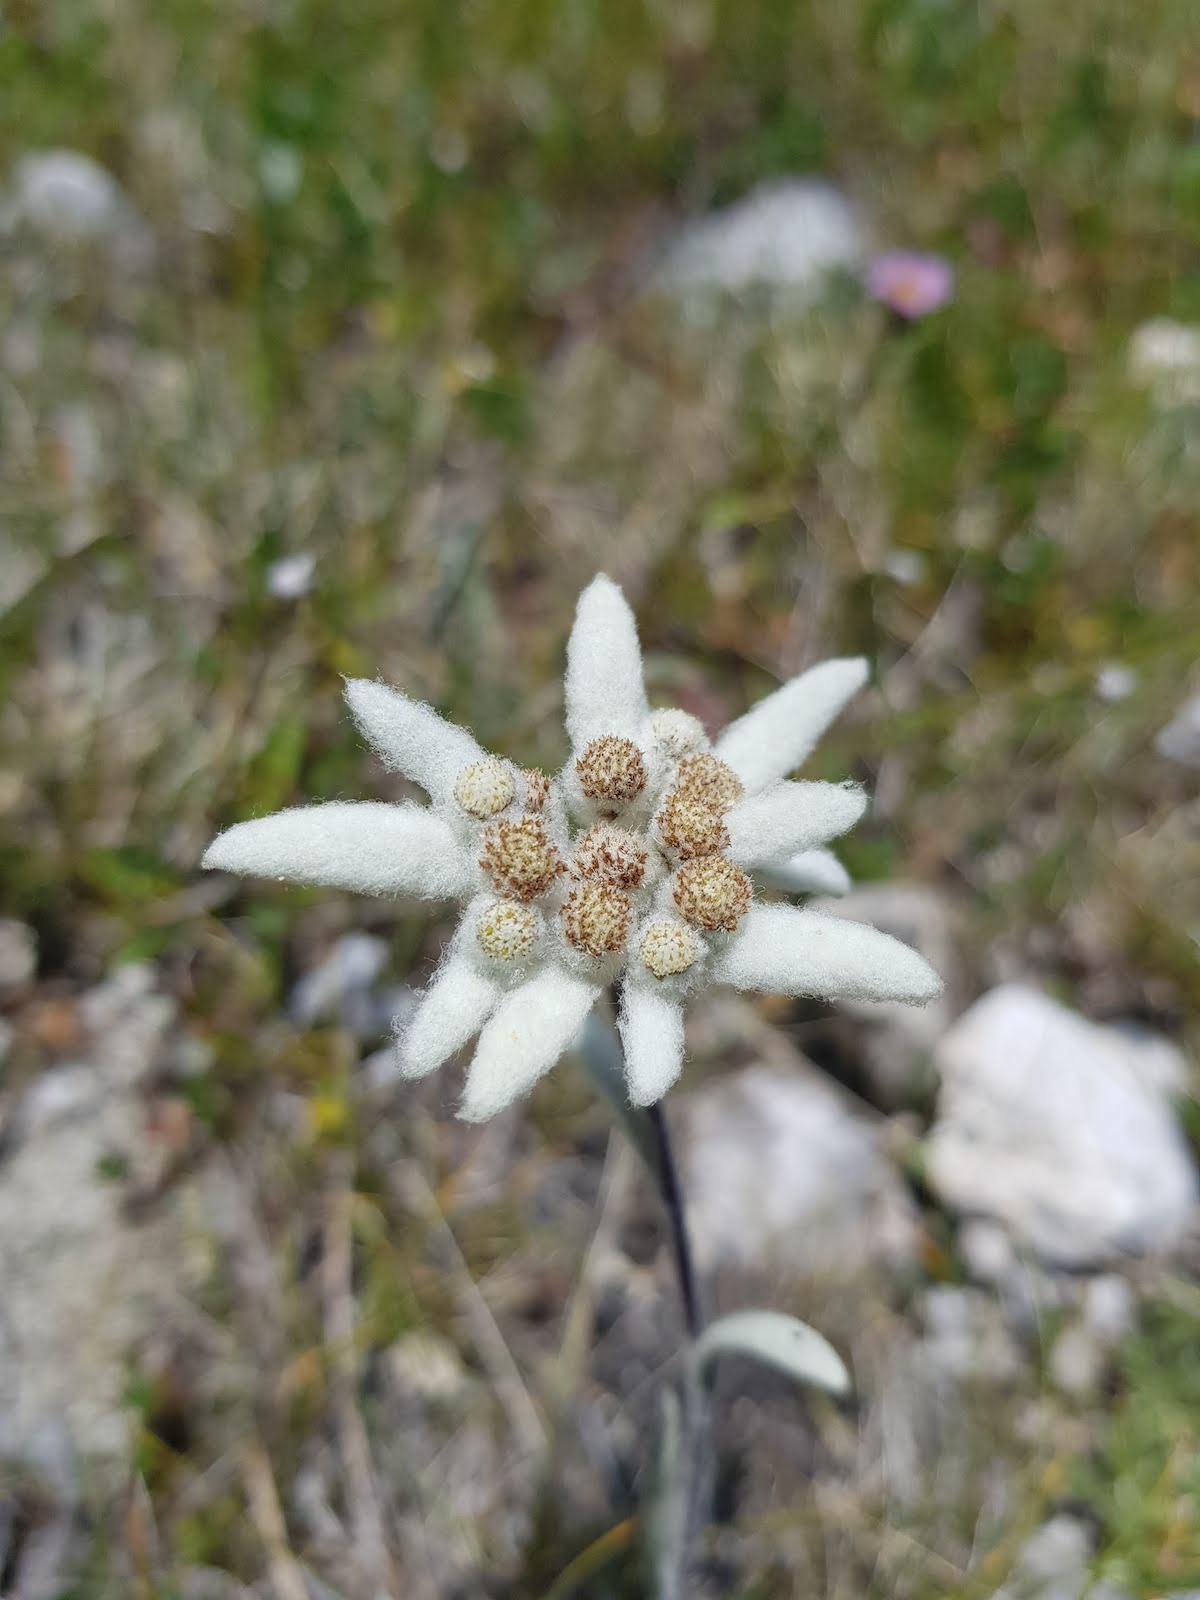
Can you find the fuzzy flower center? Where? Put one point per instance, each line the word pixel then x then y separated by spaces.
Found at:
pixel 519 858
pixel 596 918
pixel 484 789
pixel 670 874
pixel 706 779
pixel 712 893
pixel 611 855
pixel 611 770
pixel 688 828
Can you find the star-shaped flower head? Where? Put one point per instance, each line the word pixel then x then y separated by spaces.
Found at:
pixel 633 867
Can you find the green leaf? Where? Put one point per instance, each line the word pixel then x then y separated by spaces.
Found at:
pixel 270 779
pixel 777 1341
pixel 600 1051
pixel 127 876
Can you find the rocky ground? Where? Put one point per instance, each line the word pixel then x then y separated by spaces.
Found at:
pixel 336 345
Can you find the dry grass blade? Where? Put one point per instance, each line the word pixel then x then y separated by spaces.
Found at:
pixel 266 1513
pixel 370 1543
pixel 513 1394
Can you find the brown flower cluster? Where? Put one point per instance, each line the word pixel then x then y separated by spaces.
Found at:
pixel 710 891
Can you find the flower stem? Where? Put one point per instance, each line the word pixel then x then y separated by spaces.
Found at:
pixel 672 1195
pixel 693 1464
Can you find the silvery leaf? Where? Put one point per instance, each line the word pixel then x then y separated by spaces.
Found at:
pixel 777 1341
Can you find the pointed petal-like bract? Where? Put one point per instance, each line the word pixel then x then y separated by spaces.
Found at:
pixel 410 736
pixel 528 1032
pixel 809 872
pixel 456 1004
pixel 775 736
pixel 604 687
pixel 789 817
pixel 651 1027
pixel 784 950
pixel 367 846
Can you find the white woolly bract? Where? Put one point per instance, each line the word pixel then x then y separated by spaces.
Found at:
pixel 457 1004
pixel 365 845
pixel 651 1027
pixel 411 737
pixel 528 1032
pixel 789 817
pixel 775 736
pixel 788 951
pixel 809 872
pixel 604 688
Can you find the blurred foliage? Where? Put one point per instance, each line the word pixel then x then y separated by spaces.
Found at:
pixel 1144 1479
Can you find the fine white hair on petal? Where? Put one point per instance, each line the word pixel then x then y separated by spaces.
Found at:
pixel 456 1004
pixel 651 1027
pixel 365 845
pixel 810 872
pixel 605 692
pixel 528 1032
pixel 789 817
pixel 784 950
pixel 775 736
pixel 410 736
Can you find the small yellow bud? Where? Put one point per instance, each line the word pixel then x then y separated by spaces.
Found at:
pixel 485 788
pixel 668 947
pixel 678 731
pixel 508 931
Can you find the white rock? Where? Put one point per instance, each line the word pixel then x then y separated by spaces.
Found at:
pixel 427 1367
pixel 340 986
pixel 965 1336
pixel 1179 741
pixel 1116 682
pixel 1077 1361
pixel 781 1173
pixel 1083 1350
pixel 83 1283
pixel 786 235
pixel 987 1250
pixel 18 954
pixel 1062 1130
pixel 290 578
pixel 63 192
pixel 128 1021
pixel 1164 356
pixel 1110 1307
pixel 1052 1564
pixel 68 197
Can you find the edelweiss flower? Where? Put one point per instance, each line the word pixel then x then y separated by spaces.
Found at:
pixel 632 867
